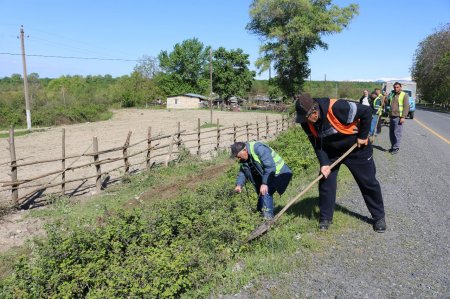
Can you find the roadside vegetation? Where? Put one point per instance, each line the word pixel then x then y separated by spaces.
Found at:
pixel 173 232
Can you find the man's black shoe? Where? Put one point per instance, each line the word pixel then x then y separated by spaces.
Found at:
pixel 380 225
pixel 394 151
pixel 324 225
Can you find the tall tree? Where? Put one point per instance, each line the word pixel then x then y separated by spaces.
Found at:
pixel 185 69
pixel 431 66
pixel 291 29
pixel 147 66
pixel 231 75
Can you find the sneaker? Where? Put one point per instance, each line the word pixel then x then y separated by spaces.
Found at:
pixel 324 225
pixel 380 225
pixel 394 151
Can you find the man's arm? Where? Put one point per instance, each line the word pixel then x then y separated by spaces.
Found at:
pixel 322 156
pixel 240 179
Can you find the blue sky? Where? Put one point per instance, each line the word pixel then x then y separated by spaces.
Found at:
pixel 379 43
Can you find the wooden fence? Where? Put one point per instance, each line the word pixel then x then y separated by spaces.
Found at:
pixel 126 159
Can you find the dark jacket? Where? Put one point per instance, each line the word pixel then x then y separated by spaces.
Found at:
pixel 265 170
pixel 330 143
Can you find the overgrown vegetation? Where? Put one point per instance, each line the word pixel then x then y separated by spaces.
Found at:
pixel 192 245
pixel 431 66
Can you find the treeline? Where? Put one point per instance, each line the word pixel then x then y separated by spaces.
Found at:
pixel 72 99
pixel 318 89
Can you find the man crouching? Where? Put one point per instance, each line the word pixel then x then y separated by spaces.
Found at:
pixel 265 169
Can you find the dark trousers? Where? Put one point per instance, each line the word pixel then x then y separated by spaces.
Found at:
pixel 361 165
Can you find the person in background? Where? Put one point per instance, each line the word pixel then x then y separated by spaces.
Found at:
pixel 265 169
pixel 364 100
pixel 377 110
pixel 398 101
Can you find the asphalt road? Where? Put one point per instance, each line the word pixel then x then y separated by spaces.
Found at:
pixel 412 258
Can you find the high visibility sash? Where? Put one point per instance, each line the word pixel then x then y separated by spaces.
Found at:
pixel 276 158
pixel 349 129
pixel 400 101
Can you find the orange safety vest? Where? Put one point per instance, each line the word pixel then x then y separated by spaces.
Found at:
pixel 349 129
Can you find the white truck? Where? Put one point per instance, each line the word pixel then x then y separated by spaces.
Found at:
pixel 410 87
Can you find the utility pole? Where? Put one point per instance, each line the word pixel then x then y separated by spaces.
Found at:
pixel 25 81
pixel 210 79
pixel 270 68
pixel 336 91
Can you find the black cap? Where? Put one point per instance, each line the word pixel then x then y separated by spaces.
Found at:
pixel 236 148
pixel 303 105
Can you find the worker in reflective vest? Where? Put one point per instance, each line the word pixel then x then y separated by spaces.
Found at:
pixel 399 103
pixel 333 126
pixel 265 169
pixel 377 101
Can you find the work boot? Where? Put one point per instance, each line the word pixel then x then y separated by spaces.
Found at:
pixel 380 225
pixel 324 225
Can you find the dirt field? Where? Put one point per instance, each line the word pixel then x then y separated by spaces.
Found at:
pixel 111 133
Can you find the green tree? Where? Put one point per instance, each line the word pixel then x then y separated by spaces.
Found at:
pixel 431 66
pixel 291 29
pixel 231 75
pixel 185 69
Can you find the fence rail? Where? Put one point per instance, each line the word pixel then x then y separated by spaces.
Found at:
pixel 148 152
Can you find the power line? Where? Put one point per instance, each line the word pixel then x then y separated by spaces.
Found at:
pixel 72 57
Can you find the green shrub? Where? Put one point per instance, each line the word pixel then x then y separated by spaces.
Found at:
pixel 166 250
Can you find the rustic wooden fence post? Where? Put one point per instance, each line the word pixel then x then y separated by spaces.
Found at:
pixel 282 123
pixel 246 129
pixel 257 130
pixel 125 152
pixel 149 146
pixel 12 151
pixel 267 126
pixel 218 136
pixel 276 128
pixel 169 153
pixel 63 162
pixel 179 136
pixel 234 133
pixel 198 138
pixel 98 179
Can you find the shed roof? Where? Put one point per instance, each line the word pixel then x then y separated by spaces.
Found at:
pixel 192 95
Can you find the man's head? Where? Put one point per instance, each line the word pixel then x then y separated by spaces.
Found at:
pixel 397 87
pixel 239 151
pixel 373 95
pixel 306 108
pixel 377 91
pixel 366 93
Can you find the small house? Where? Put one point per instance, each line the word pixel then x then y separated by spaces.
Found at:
pixel 185 101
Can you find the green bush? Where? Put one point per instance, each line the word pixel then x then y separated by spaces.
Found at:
pixel 169 249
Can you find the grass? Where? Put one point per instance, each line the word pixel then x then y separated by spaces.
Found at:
pixel 271 255
pixel 209 125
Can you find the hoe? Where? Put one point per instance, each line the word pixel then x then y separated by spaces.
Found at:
pixel 266 225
